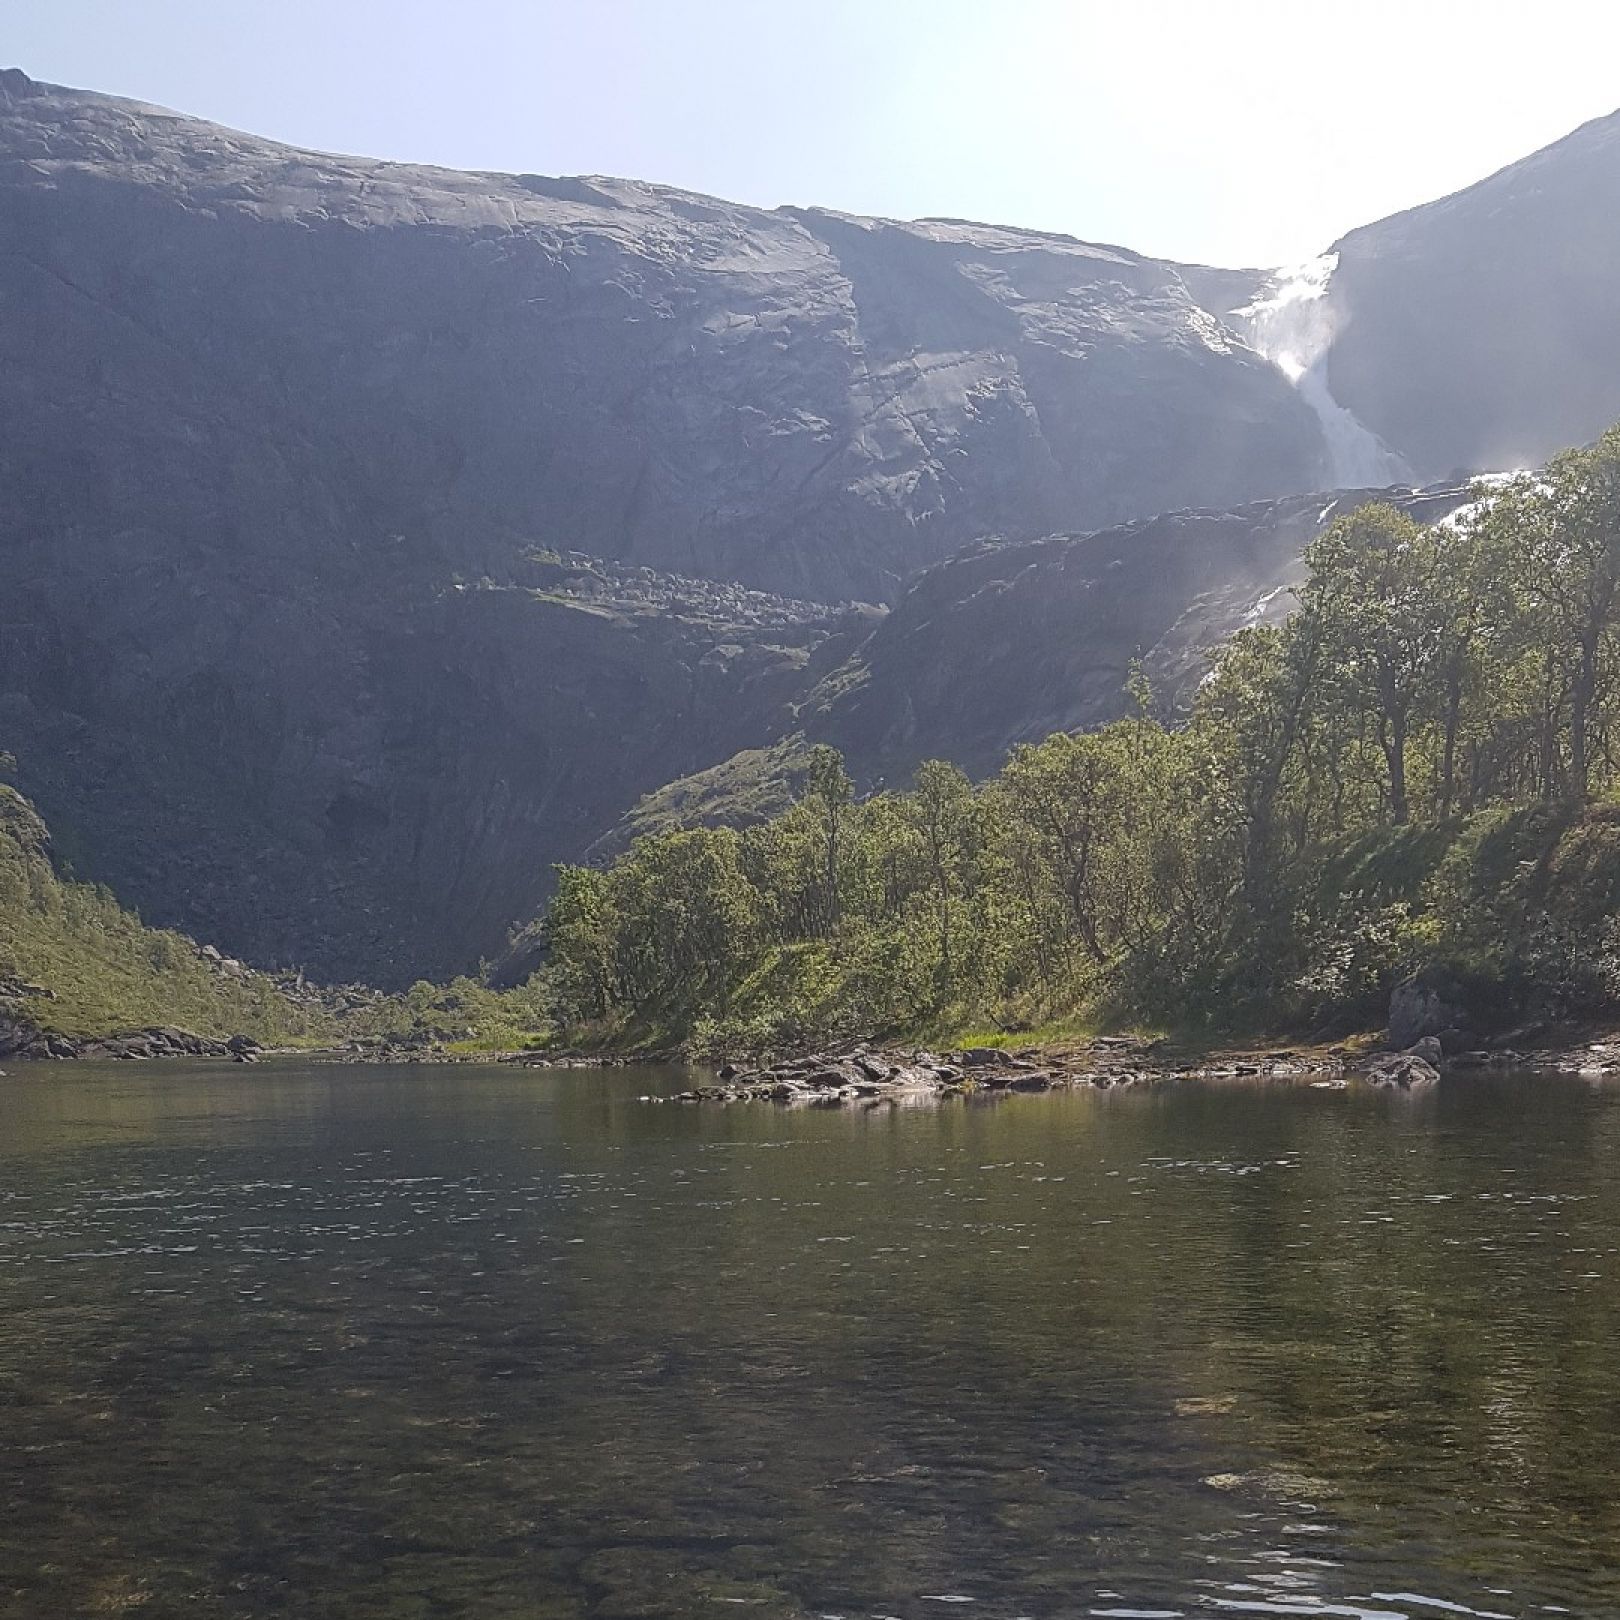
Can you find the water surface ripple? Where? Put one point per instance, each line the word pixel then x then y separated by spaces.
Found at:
pixel 472 1343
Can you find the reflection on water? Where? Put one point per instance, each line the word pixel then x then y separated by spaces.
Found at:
pixel 476 1343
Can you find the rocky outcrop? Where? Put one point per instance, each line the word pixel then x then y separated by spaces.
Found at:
pixel 22 1040
pixel 1012 640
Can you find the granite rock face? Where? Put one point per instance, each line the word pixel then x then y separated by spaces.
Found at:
pixel 1482 331
pixel 797 399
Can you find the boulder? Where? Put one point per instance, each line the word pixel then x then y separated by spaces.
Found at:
pixel 1403 1070
pixel 1430 1003
pixel 1031 1082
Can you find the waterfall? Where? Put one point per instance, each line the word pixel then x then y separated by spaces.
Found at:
pixel 1291 324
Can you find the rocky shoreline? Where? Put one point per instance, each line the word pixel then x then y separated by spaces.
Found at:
pixel 25 1042
pixel 860 1075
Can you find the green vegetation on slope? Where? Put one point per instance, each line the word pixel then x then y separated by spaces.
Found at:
pixel 1411 771
pixel 751 786
pixel 74 962
pixel 105 971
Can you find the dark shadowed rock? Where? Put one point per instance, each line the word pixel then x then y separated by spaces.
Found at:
pixel 1011 640
pixel 1431 1004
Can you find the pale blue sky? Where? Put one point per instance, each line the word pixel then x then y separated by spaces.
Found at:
pixel 1232 131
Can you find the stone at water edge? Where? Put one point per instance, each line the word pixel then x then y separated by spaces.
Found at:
pixel 1403 1069
pixel 1429 1004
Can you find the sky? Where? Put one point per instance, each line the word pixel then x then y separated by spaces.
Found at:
pixel 1234 132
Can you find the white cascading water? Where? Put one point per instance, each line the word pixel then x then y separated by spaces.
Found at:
pixel 1292 326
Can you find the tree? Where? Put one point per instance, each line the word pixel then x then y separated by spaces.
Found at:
pixel 1265 687
pixel 1064 798
pixel 831 792
pixel 579 929
pixel 942 803
pixel 1568 523
pixel 1473 599
pixel 1376 590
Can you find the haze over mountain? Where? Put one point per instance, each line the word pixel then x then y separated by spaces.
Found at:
pixel 294 446
pixel 1483 330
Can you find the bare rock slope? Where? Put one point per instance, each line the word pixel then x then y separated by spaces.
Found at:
pixel 1483 330
pixel 802 400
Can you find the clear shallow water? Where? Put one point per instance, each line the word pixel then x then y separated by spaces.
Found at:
pixel 479 1343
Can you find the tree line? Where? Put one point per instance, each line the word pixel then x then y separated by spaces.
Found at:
pixel 1324 816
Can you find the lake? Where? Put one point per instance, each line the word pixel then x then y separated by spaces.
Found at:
pixel 444 1343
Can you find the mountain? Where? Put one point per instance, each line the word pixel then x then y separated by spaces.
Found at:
pixel 800 400
pixel 277 431
pixel 1483 330
pixel 374 535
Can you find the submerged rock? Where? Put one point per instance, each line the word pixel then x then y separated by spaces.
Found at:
pixel 1403 1070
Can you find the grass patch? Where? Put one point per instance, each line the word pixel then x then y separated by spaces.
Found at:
pixel 106 971
pixel 1055 1032
pixel 501 1041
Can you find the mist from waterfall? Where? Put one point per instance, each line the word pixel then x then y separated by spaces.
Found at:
pixel 1292 326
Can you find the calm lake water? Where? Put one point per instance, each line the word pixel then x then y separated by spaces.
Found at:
pixel 457 1342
